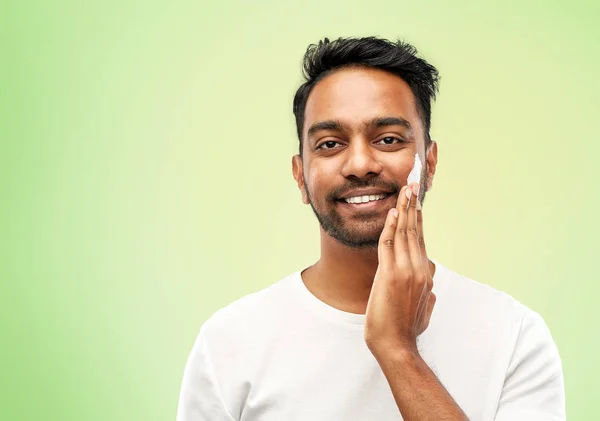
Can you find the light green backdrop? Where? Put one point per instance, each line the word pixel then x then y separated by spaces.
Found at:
pixel 145 178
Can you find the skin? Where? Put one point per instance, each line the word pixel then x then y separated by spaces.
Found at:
pixel 374 262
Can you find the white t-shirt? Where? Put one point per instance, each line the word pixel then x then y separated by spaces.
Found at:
pixel 281 354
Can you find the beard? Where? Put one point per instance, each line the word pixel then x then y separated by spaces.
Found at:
pixel 361 230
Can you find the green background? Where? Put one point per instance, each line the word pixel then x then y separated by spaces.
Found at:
pixel 145 178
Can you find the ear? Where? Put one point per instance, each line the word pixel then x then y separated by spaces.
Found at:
pixel 298 171
pixel 432 159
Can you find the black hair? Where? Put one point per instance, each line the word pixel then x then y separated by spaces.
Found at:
pixel 399 58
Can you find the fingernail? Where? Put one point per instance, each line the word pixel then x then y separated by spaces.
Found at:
pixel 415 189
pixel 394 212
pixel 408 192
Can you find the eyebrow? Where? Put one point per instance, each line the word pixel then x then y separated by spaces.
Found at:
pixel 326 125
pixel 375 122
pixel 388 121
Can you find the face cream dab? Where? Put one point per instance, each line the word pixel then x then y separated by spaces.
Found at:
pixel 415 173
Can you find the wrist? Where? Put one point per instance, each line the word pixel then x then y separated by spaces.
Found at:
pixel 403 352
pixel 400 361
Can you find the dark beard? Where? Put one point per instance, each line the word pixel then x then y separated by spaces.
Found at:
pixel 334 225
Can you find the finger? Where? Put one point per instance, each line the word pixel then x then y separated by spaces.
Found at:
pixel 385 250
pixel 424 316
pixel 413 232
pixel 401 242
pixel 421 236
pixel 423 300
pixel 429 310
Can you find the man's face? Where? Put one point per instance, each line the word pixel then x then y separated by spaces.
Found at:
pixel 361 132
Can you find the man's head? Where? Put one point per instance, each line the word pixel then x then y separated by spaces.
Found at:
pixel 361 115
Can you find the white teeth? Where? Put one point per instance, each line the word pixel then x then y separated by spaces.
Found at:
pixel 364 199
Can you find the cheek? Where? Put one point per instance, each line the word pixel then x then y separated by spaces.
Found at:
pixel 399 170
pixel 321 180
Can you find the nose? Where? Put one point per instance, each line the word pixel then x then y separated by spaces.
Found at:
pixel 361 161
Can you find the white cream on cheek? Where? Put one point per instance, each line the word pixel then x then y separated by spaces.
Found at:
pixel 415 173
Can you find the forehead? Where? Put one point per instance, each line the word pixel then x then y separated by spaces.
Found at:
pixel 357 95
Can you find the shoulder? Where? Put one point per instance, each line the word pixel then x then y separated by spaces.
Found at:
pixel 468 308
pixel 466 298
pixel 481 309
pixel 245 317
pixel 471 309
pixel 228 347
pixel 500 331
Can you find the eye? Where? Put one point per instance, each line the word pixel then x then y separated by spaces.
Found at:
pixel 389 140
pixel 329 143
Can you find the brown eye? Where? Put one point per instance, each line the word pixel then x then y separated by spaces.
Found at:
pixel 330 144
pixel 389 140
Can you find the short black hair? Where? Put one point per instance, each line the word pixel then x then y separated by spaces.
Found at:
pixel 399 58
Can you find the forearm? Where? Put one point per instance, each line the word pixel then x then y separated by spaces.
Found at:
pixel 417 391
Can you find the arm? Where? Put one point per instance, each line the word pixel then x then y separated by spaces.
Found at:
pixel 399 310
pixel 417 391
pixel 200 397
pixel 534 385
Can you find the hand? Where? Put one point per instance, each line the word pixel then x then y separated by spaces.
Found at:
pixel 401 301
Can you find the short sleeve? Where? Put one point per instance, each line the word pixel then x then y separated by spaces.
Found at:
pixel 200 397
pixel 534 384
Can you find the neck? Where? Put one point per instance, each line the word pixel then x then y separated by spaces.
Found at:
pixel 343 276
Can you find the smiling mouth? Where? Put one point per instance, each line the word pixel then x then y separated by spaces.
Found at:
pixel 370 202
pixel 357 200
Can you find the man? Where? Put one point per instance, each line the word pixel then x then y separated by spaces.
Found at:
pixel 374 330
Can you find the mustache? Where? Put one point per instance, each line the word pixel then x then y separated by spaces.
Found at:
pixel 336 193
